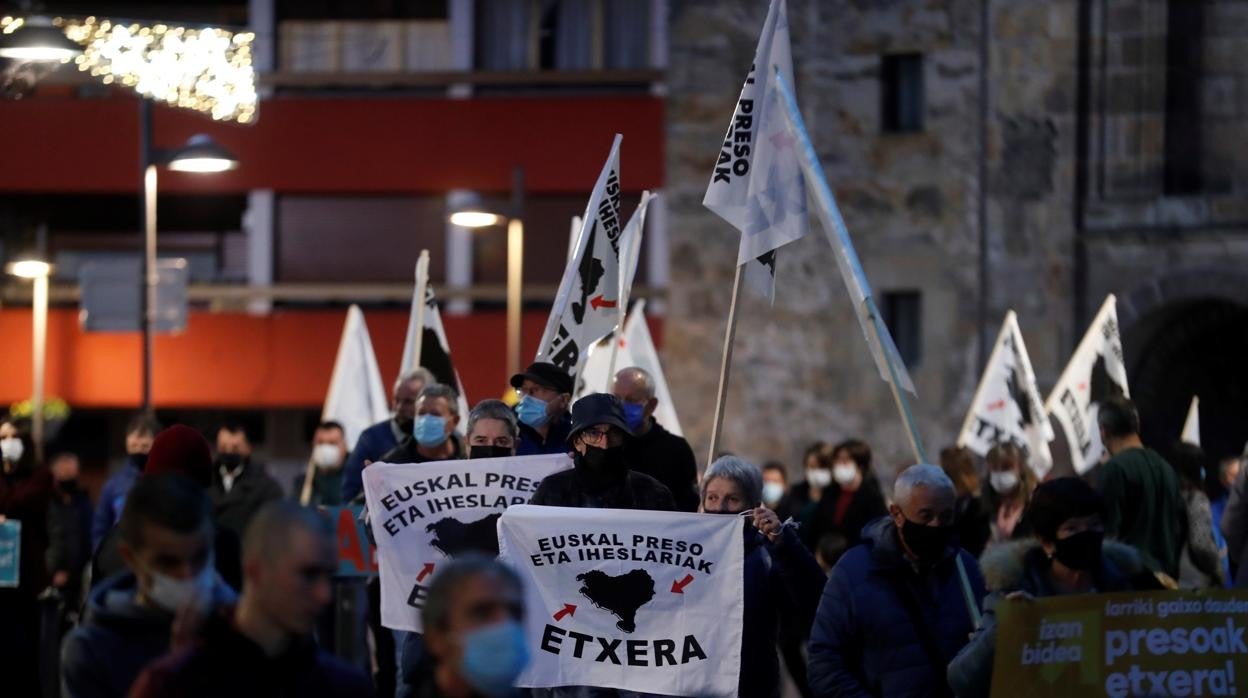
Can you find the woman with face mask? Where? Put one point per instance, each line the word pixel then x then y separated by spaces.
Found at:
pixel 974 527
pixel 1010 484
pixel 1068 555
pixel 782 580
pixel 851 501
pixel 804 497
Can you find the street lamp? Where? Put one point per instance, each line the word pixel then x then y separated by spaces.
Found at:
pixel 472 213
pixel 37 271
pixel 36 39
pixel 201 154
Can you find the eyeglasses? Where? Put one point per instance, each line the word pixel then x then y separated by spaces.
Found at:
pixel 595 434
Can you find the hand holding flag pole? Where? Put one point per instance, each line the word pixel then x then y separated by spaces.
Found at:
pixel 877 335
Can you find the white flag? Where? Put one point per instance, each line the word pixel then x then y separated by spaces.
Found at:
pixel 1096 372
pixel 630 249
pixel 435 350
pixel 756 186
pixel 636 348
pixel 357 399
pixel 1191 425
pixel 646 601
pixel 423 514
pixel 586 306
pixel 1007 406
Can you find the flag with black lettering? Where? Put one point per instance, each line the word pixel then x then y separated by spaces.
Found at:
pixel 425 513
pixel 435 350
pixel 1095 373
pixel 1007 406
pixel 586 306
pixel 645 601
pixel 757 184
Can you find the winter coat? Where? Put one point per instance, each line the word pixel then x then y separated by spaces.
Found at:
pixel 25 495
pixel 866 505
pixel 973 524
pixel 227 663
pixel 1143 507
pixel 565 489
pixel 406 452
pixel 865 640
pixel 252 489
pixel 103 656
pixel 1023 566
pixel 112 499
pixel 531 443
pixel 782 587
pixel 372 444
pixel 667 458
pixel 69 534
pixel 1200 564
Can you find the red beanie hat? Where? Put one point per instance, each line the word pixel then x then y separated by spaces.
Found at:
pixel 183 450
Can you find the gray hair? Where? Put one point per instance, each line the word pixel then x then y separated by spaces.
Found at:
pixel 493 409
pixel 921 475
pixel 420 373
pixel 640 376
pixel 452 575
pixel 436 390
pixel 739 470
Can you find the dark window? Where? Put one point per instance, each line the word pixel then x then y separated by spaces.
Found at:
pixel 1185 27
pixel 903 315
pixel 901 90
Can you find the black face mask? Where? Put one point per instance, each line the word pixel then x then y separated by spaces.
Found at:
pixel 927 542
pixel 475 452
pixel 1081 551
pixel 229 461
pixel 139 460
pixel 600 468
pixel 68 486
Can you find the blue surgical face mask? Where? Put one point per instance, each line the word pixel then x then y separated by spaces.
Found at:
pixel 430 430
pixel 532 411
pixel 493 657
pixel 634 415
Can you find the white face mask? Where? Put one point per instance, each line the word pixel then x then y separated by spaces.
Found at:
pixel 1003 481
pixel 772 492
pixel 819 477
pixel 844 473
pixel 172 594
pixel 11 449
pixel 326 456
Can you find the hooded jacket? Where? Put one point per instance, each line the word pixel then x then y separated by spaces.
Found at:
pixel 106 652
pixel 865 641
pixel 1023 566
pixel 636 491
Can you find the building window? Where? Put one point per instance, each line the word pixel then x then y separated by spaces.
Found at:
pixel 903 316
pixel 901 90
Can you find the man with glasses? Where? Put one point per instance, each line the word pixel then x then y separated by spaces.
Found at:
pixel 545 392
pixel 601 477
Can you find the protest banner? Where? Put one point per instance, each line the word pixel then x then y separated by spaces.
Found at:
pixel 428 345
pixel 1125 644
pixel 1095 373
pixel 1007 406
pixel 10 552
pixel 1191 425
pixel 424 513
pixel 357 556
pixel 586 305
pixel 642 601
pixel 357 399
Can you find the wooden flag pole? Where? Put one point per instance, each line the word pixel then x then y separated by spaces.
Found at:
pixel 422 282
pixel 305 495
pixel 725 365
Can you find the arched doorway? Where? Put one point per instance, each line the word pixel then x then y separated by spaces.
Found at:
pixel 1184 348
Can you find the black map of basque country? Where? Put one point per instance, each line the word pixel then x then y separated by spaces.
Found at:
pixel 590 271
pixel 1101 386
pixel 621 595
pixel 454 537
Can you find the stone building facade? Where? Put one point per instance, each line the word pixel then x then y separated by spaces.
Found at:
pixel 1064 150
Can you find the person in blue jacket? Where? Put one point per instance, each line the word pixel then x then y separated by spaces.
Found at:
pixel 140 433
pixel 893 613
pixel 379 439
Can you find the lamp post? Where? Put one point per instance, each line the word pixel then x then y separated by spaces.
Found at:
pixel 200 155
pixel 473 214
pixel 37 271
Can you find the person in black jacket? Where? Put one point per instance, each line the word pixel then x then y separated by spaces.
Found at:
pixel 972 517
pixel 239 487
pixel 783 582
pixel 69 529
pixel 654 450
pixel 852 500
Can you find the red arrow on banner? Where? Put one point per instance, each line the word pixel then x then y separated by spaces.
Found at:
pixel 996 405
pixel 567 610
pixel 425 571
pixel 679 587
pixel 597 302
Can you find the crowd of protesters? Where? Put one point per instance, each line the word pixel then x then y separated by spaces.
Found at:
pixel 192 574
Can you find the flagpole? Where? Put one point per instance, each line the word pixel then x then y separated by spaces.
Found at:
pixel 422 282
pixel 305 495
pixel 725 365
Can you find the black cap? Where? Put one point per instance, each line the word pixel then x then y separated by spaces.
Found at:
pixel 597 408
pixel 546 375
